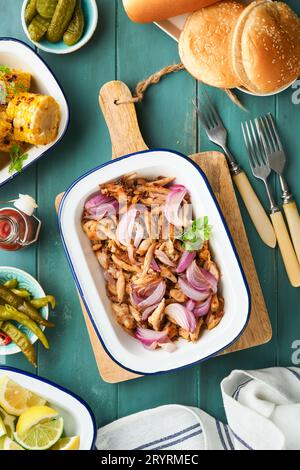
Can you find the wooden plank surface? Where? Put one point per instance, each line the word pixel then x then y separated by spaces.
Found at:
pixel 121 49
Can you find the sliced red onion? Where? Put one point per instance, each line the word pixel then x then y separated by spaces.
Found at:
pixel 135 298
pixel 139 234
pixel 203 308
pixel 97 200
pixel 154 266
pixel 211 279
pixel 192 293
pixel 151 339
pixel 155 297
pixel 161 255
pixel 126 226
pixel 190 305
pixel 196 278
pixel 185 261
pixel 147 312
pixel 181 316
pixel 105 209
pixel 173 202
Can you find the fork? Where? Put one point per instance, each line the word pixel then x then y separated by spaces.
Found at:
pixel 217 134
pixel 277 160
pixel 261 170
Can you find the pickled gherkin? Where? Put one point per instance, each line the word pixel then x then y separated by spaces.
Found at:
pixel 61 19
pixel 75 28
pixel 38 27
pixel 30 11
pixel 46 8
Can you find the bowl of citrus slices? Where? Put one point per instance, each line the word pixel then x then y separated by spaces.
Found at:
pixel 36 414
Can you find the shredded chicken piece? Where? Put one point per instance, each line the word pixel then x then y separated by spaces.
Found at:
pixel 167 274
pixel 212 268
pixel 103 259
pixel 196 334
pixel 143 248
pixel 135 313
pixel 178 295
pixel 90 229
pixel 157 317
pixel 125 266
pixel 124 318
pixel 121 287
pixel 148 258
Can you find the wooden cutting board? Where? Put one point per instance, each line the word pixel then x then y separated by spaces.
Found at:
pixel 126 138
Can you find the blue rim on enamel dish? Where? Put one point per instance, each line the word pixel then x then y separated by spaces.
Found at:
pixel 62 389
pixel 33 286
pixel 67 109
pixel 111 162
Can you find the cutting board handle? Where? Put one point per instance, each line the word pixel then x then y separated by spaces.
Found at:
pixel 121 119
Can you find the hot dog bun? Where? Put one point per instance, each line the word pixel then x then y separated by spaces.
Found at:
pixel 146 11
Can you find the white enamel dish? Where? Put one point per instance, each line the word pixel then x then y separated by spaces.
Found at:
pixel 16 54
pixel 78 418
pixel 122 348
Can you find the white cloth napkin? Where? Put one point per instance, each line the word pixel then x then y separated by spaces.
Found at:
pixel 262 409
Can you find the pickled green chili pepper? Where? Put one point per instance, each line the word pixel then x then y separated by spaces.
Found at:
pixel 30 11
pixel 61 19
pixel 22 293
pixel 21 340
pixel 7 312
pixel 23 306
pixel 11 284
pixel 46 8
pixel 43 302
pixel 38 27
pixel 75 28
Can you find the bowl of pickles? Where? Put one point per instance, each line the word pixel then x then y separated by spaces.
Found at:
pixel 24 313
pixel 59 26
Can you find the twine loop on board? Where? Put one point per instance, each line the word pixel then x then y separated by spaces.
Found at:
pixel 156 77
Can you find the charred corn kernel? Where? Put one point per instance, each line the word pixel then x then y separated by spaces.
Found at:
pixel 75 28
pixel 35 118
pixel 46 8
pixel 7 139
pixel 30 11
pixel 5 126
pixel 61 19
pixel 14 82
pixel 38 27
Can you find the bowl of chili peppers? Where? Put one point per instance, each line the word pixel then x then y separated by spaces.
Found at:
pixel 24 313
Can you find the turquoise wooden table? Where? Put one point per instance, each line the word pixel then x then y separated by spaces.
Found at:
pixel 130 52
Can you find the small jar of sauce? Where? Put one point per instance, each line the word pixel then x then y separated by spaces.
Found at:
pixel 18 226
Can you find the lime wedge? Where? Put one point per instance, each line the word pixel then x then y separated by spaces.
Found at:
pixel 2 428
pixel 42 436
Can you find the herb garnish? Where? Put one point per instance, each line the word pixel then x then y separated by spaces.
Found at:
pixel 16 159
pixel 195 236
pixel 5 69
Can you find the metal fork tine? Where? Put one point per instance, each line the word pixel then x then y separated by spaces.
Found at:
pixel 258 152
pixel 213 113
pixel 247 139
pixel 278 141
pixel 263 150
pixel 201 115
pixel 263 135
pixel 271 136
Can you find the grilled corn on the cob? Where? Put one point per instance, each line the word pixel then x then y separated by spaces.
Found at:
pixel 35 118
pixel 15 82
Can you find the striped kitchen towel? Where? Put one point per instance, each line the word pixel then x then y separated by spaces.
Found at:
pixel 262 409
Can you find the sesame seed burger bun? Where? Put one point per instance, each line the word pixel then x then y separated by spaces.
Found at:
pixel 265 47
pixel 205 41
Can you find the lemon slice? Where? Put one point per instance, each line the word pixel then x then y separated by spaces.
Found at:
pixel 2 428
pixel 7 444
pixel 42 436
pixel 16 399
pixel 9 422
pixel 67 443
pixel 33 416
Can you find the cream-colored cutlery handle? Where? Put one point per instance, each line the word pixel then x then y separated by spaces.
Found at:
pixel 256 211
pixel 293 220
pixel 286 248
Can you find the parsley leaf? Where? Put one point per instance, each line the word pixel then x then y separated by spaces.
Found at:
pixel 5 69
pixel 16 159
pixel 195 236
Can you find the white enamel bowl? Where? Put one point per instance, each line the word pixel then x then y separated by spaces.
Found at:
pixel 122 348
pixel 78 418
pixel 16 54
